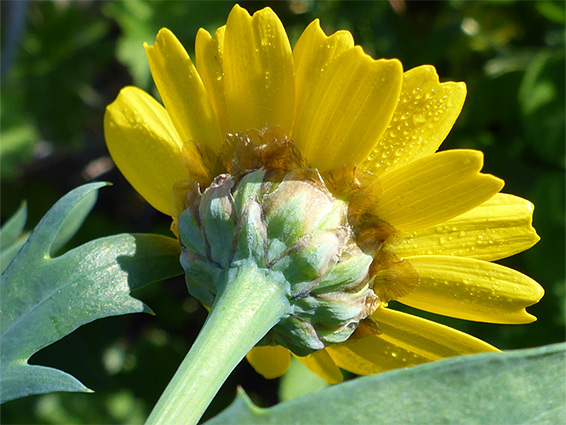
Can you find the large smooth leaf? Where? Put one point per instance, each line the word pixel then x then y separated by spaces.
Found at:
pixel 520 387
pixel 44 299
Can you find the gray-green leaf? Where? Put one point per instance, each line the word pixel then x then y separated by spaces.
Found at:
pixel 520 387
pixel 44 299
pixel 12 236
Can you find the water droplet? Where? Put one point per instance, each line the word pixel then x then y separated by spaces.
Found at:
pixel 419 119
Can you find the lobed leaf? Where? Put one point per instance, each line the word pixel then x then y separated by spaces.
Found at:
pixel 12 236
pixel 44 298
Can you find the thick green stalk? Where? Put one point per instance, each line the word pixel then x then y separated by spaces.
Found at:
pixel 245 309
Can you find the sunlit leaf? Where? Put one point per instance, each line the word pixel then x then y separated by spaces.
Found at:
pixel 73 222
pixel 44 299
pixel 12 236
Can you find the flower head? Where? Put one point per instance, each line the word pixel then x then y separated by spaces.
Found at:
pixel 418 226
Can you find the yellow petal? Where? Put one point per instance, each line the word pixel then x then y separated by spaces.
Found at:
pixel 322 364
pixel 372 354
pixel 424 116
pixel 472 289
pixel 313 53
pixel 209 53
pixel 146 148
pixel 425 338
pixel 498 228
pixel 269 361
pixel 403 341
pixel 258 71
pixel 434 189
pixel 182 91
pixel 349 109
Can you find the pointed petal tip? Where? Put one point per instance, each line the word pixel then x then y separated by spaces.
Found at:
pixel 490 292
pixel 116 104
pixel 496 182
pixel 203 34
pixel 163 32
pixel 238 10
pixel 460 85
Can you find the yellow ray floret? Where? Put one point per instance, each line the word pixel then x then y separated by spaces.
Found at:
pixel 145 146
pixel 425 114
pixel 404 340
pixel 498 228
pixel 434 189
pixel 473 290
pixel 259 79
pixel 348 110
pixel 312 54
pixel 209 53
pixel 182 91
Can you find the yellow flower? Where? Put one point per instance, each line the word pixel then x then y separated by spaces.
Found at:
pixel 343 111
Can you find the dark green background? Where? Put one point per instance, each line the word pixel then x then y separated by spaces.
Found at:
pixel 64 61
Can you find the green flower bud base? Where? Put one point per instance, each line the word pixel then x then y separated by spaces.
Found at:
pixel 296 233
pixel 272 253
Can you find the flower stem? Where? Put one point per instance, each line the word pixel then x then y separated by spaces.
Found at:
pixel 247 306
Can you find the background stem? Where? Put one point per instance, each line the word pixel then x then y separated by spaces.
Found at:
pixel 245 309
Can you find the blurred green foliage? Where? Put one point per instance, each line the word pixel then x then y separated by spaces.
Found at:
pixel 63 61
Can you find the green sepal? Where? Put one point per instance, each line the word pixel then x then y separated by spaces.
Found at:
pixel 332 309
pixel 347 273
pixel 200 275
pixel 275 250
pixel 218 221
pixel 200 291
pixel 297 335
pixel 190 233
pixel 251 240
pixel 311 257
pixel 249 187
pixel 285 220
pixel 331 336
